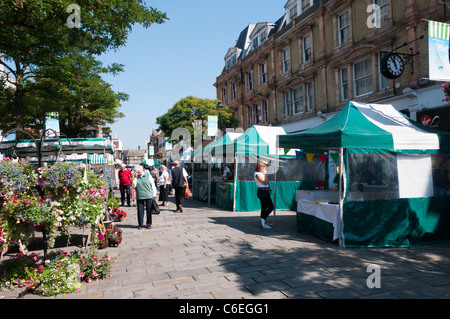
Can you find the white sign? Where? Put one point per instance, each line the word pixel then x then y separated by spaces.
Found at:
pixel 439 50
pixel 213 122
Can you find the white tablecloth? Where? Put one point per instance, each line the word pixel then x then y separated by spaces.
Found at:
pixel 323 210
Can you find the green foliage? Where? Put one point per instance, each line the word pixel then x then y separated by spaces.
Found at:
pixel 187 110
pixel 54 66
pixel 63 273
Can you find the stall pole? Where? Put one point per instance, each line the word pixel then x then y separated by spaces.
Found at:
pixel 341 196
pixel 275 185
pixel 235 181
pixel 209 177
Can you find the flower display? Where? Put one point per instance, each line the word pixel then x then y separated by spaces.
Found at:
pixel 446 88
pixel 51 200
pixel 63 272
pixel 117 214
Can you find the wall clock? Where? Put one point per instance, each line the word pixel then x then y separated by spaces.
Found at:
pixel 392 66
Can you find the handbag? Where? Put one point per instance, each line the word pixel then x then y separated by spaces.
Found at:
pixel 155 208
pixel 188 193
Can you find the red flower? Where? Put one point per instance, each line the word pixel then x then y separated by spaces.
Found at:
pixel 41 267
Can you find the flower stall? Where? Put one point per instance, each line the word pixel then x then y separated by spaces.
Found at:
pixel 53 200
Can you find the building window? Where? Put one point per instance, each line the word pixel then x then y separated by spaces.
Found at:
pixel 384 11
pixel 298 100
pixel 293 12
pixel 344 27
pixel 249 81
pixel 224 96
pixel 362 77
pixel 257 112
pixel 250 116
pixel 233 90
pixel 306 41
pixel 263 36
pixel 255 43
pixel 265 111
pixel 383 81
pixel 286 104
pixel 344 84
pixel 285 56
pixel 309 87
pixel 305 5
pixel 263 71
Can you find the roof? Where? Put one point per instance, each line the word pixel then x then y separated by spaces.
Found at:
pixel 368 126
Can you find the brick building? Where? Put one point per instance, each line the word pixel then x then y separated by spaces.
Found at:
pixel 298 71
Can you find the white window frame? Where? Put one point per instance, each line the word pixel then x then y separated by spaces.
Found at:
pixel 249 81
pixel 383 82
pixel 344 84
pixel 285 53
pixel 344 28
pixel 286 103
pixel 265 110
pixel 233 90
pixel 306 4
pixel 263 73
pixel 255 42
pixel 384 11
pixel 310 101
pixel 258 114
pixel 298 100
pixel 307 50
pixel 365 77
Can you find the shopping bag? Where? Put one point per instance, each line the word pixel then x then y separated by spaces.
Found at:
pixel 188 193
pixel 155 208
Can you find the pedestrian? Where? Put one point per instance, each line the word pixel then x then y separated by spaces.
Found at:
pixel 179 183
pixel 125 182
pixel 163 186
pixel 263 192
pixel 145 193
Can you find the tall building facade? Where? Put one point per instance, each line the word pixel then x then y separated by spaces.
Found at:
pixel 300 70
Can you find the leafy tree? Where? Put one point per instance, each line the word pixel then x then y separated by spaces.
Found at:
pixel 187 110
pixel 40 43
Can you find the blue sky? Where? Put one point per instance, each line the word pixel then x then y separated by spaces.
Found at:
pixel 181 57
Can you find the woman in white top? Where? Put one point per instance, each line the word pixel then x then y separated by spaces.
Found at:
pixel 263 193
pixel 163 187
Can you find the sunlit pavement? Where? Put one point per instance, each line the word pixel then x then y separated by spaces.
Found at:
pixel 206 252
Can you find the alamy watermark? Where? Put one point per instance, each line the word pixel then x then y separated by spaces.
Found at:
pixel 374 279
pixel 74 19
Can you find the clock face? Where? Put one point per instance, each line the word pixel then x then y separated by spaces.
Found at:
pixel 392 66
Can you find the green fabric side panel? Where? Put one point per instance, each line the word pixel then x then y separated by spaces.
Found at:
pixel 248 201
pixel 313 226
pixel 396 223
pixel 224 195
pixel 201 191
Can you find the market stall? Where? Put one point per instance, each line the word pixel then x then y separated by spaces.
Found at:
pixel 387 193
pixel 97 152
pixel 259 143
pixel 209 184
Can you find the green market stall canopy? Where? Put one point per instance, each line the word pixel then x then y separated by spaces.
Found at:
pixel 389 166
pixel 72 149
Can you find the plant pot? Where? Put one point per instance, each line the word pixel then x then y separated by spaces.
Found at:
pixel 115 241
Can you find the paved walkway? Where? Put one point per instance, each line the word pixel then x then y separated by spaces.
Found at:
pixel 207 252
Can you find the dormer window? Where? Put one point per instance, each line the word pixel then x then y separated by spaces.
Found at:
pixel 255 43
pixel 293 12
pixel 260 34
pixel 231 57
pixel 305 5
